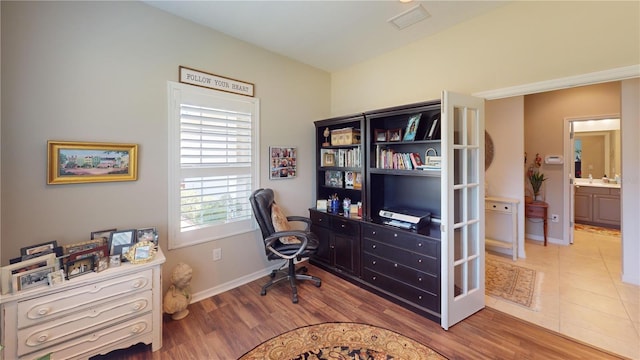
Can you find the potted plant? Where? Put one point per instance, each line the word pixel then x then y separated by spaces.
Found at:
pixel 536 178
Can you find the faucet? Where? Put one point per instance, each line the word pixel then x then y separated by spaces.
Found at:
pixel 590 178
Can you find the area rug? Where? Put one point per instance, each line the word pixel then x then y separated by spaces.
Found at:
pixel 516 284
pixel 341 341
pixel 597 230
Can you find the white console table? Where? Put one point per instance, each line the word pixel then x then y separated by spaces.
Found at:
pixel 87 315
pixel 506 206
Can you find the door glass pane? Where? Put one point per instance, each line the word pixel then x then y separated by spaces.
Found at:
pixel 473 274
pixel 458 206
pixel 472 201
pixel 458 244
pixel 473 235
pixel 458 126
pixel 459 286
pixel 472 126
pixel 458 166
pixel 473 165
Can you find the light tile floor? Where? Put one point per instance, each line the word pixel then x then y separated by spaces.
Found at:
pixel 582 295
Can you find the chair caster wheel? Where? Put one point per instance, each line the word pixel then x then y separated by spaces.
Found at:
pixel 304 270
pixel 263 292
pixel 318 283
pixel 295 299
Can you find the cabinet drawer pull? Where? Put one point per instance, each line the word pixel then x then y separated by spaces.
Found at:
pixel 373 246
pixel 395 265
pixel 419 279
pixel 419 244
pixel 373 232
pixel 42 338
pixel 373 262
pixel 420 297
pixel 138 306
pixel 373 278
pixel 319 220
pixel 43 311
pixel 136 329
pixel 343 226
pixel 395 235
pixel 419 261
pixel 138 283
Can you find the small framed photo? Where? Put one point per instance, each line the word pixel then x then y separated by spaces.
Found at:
pixel 141 252
pixel 380 135
pixel 394 134
pixel 102 234
pixel 7 272
pixel 120 239
pixel 56 277
pixel 100 251
pixel 102 263
pixel 79 267
pixel 44 248
pixel 114 260
pixel 283 163
pixel 147 234
pixel 329 159
pixel 32 278
pixel 86 245
pixel 412 127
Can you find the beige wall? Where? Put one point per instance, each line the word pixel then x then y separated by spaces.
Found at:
pixel 520 43
pixel 545 115
pixel 503 119
pixel 98 71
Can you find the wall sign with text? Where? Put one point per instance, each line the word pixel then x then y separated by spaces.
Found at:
pixel 216 82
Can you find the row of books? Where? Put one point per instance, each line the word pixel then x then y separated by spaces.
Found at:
pixel 347 179
pixel 387 158
pixel 341 157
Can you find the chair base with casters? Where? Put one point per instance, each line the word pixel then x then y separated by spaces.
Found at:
pixel 285 243
pixel 292 275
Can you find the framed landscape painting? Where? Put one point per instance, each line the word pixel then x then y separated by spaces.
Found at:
pixel 84 162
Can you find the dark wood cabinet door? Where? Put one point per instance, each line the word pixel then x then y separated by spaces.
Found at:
pixel 347 253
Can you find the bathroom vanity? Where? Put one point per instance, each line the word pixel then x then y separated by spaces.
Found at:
pixel 597 203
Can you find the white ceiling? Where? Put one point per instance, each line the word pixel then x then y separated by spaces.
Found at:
pixel 329 35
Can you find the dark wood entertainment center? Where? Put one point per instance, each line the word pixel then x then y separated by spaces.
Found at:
pixel 402 265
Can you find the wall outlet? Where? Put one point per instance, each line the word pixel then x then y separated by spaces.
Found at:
pixel 555 217
pixel 217 254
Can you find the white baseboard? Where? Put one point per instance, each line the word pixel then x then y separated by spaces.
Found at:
pixel 550 240
pixel 201 295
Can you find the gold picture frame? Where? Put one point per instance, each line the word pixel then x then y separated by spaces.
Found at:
pixel 72 162
pixel 141 252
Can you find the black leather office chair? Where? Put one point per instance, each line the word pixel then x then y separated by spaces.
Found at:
pixel 262 201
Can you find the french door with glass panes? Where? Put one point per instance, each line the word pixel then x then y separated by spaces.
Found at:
pixel 462 250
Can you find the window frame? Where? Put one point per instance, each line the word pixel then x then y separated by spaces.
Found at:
pixel 177 238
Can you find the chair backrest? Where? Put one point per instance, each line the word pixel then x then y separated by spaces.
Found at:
pixel 261 201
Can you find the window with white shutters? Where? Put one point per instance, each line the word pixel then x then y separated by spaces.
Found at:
pixel 212 164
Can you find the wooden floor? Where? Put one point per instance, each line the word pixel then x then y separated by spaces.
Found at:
pixel 230 324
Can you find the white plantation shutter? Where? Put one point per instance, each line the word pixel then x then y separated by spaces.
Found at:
pixel 212 164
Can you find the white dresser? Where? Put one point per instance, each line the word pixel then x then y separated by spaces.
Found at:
pixel 87 315
pixel 505 207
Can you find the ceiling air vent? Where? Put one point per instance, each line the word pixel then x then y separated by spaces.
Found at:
pixel 409 17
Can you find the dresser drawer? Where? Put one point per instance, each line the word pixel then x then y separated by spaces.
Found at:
pixel 320 218
pixel 403 273
pixel 407 292
pixel 345 226
pixel 130 332
pixel 48 307
pixel 403 239
pixel 498 206
pixel 534 212
pixel 410 259
pixel 100 314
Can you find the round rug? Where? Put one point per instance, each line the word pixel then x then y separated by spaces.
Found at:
pixel 341 341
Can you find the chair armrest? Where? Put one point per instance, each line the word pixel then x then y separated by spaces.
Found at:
pixel 303 219
pixel 269 241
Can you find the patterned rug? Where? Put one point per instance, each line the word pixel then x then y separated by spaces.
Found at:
pixel 597 230
pixel 513 283
pixel 341 341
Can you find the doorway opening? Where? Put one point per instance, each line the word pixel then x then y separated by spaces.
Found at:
pixel 593 150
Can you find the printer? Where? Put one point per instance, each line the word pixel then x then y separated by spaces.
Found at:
pixel 409 219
